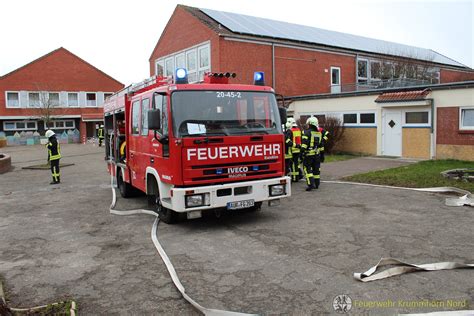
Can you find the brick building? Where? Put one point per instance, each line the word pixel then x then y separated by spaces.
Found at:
pixel 58 85
pixel 296 59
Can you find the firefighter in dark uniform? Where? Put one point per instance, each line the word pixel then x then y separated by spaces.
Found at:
pixel 295 151
pixel 288 147
pixel 313 152
pixel 54 154
pixel 100 134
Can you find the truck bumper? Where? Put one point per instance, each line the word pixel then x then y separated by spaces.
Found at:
pixel 230 195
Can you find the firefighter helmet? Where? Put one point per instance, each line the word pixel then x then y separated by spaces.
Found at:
pixel 290 122
pixel 313 121
pixel 49 133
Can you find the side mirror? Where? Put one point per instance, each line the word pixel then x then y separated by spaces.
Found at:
pixel 282 112
pixel 154 119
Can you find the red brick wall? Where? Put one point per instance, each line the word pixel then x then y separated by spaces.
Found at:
pixel 58 71
pixel 454 76
pixel 244 59
pixel 297 71
pixel 182 31
pixel 448 128
pixel 303 72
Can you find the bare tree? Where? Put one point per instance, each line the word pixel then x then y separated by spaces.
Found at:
pixel 49 105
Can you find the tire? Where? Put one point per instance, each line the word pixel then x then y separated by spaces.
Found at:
pixel 165 214
pixel 126 190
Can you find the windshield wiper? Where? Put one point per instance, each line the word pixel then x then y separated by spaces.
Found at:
pixel 206 134
pixel 252 132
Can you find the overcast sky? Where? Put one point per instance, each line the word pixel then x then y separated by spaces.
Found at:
pixel 117 36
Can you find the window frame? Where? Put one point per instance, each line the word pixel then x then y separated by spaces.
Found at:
pixel 87 101
pixel 461 127
pixel 363 79
pixel 64 127
pixel 77 95
pixel 137 132
pixel 404 117
pixel 6 99
pixel 359 122
pixel 339 75
pixel 143 120
pixel 20 129
pixel 28 99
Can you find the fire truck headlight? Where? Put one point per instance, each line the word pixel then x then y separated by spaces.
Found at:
pixel 277 189
pixel 196 200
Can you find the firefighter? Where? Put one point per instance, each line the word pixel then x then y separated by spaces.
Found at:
pixel 288 147
pixel 100 134
pixel 295 150
pixel 312 143
pixel 54 154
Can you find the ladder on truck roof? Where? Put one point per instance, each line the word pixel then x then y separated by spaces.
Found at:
pixel 134 87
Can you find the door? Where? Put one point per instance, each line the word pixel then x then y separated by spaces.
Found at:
pixel 392 133
pixel 335 80
pixel 133 140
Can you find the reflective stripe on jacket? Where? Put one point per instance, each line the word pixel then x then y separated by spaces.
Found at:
pixel 54 150
pixel 296 132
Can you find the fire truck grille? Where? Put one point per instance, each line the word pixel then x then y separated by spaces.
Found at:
pixel 235 164
pixel 226 176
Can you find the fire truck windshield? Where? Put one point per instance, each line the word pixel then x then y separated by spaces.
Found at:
pixel 210 113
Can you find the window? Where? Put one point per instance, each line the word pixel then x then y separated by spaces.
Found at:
pixel 350 118
pixel 362 70
pixel 20 125
pixel 321 118
pixel 204 60
pixel 135 117
pixel 375 70
pixel 161 104
pixel 145 108
pixel 421 117
pixel 180 61
pixel 467 118
pixel 91 99
pixel 72 99
pixel 62 124
pixel 191 65
pixel 367 118
pixel 13 99
pixel 160 68
pixel 107 95
pixel 335 75
pixel 53 98
pixel 34 99
pixel 169 66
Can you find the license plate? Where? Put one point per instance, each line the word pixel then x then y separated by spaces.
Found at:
pixel 240 204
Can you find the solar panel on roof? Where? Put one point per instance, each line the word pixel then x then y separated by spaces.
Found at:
pixel 244 24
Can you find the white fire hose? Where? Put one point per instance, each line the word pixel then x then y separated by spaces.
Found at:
pixel 166 259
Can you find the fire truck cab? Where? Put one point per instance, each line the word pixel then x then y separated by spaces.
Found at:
pixel 197 147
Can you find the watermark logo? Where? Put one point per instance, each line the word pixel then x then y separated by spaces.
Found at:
pixel 342 303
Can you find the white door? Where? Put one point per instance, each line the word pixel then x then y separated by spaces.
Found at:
pixel 335 80
pixel 392 133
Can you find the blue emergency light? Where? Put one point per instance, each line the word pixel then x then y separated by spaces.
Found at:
pixel 181 76
pixel 259 78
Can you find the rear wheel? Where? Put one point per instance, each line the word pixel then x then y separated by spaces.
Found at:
pixel 125 188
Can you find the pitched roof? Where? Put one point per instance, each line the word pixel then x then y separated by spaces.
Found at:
pixel 233 23
pixel 54 52
pixel 403 96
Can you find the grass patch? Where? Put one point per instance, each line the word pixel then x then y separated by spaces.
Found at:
pixel 422 174
pixel 338 157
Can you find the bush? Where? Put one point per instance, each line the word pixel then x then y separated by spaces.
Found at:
pixel 336 130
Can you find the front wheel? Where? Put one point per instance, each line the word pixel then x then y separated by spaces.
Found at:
pixel 165 214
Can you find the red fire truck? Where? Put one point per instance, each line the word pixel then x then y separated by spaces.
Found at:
pixel 197 147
